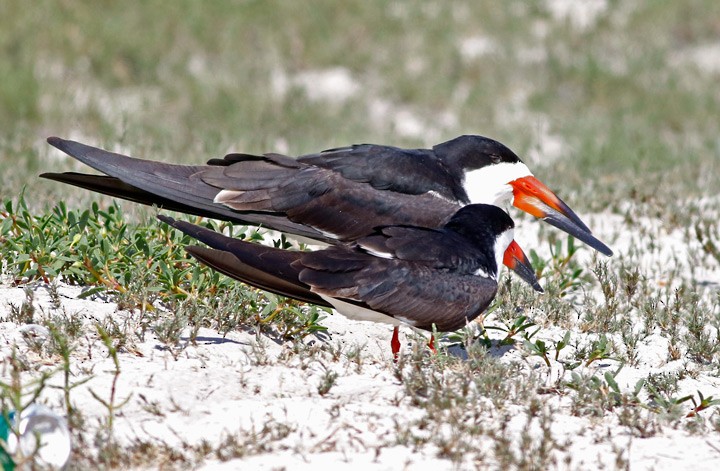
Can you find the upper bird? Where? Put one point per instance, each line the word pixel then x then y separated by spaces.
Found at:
pixel 335 196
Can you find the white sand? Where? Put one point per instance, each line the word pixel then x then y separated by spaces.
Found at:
pixel 217 389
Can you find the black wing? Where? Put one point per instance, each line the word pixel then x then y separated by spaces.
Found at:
pixel 420 276
pixel 324 199
pixel 411 292
pixel 407 171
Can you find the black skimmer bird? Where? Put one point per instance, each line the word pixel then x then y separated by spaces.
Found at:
pixel 426 278
pixel 335 196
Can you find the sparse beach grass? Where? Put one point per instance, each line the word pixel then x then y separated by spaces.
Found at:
pixel 104 317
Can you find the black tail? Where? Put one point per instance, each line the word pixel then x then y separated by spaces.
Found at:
pixel 263 267
pixel 169 186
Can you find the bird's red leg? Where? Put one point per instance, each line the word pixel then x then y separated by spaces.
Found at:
pixel 431 344
pixel 395 342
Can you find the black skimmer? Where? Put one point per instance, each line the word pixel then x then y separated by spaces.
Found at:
pixel 335 196
pixel 426 278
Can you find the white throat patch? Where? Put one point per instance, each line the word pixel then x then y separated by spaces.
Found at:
pixel 501 245
pixel 490 184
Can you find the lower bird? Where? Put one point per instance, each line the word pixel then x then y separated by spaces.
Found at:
pixel 426 278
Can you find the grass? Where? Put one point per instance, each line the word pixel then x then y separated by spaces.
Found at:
pixel 618 117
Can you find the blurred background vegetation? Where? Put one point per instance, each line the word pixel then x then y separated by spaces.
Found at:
pixel 606 100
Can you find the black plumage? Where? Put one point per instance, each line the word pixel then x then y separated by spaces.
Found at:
pixel 423 277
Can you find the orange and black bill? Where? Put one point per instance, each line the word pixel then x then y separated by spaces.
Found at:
pixel 533 197
pixel 516 260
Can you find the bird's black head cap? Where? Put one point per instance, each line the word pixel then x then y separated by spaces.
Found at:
pixel 480 222
pixel 471 152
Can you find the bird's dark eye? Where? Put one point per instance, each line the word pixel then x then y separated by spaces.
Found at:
pixel 495 158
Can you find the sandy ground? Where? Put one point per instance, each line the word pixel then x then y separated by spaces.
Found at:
pixel 234 386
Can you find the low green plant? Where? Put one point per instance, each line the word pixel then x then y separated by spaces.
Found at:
pixel 599 349
pixel 597 394
pixel 542 349
pixel 562 269
pixel 702 403
pixel 538 348
pixel 64 347
pixel 518 326
pixel 141 266
pixel 327 380
pixel 110 404
pixel 25 312
pixel 667 406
